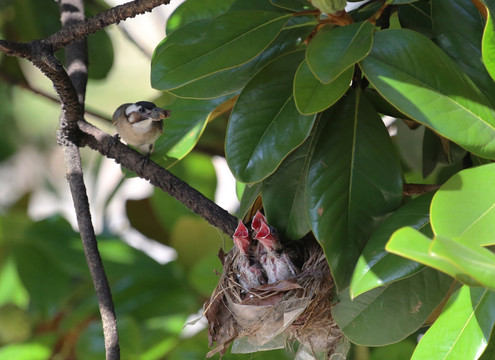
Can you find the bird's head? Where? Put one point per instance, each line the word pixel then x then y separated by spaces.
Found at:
pixel 139 111
pixel 258 219
pixel 267 235
pixel 241 238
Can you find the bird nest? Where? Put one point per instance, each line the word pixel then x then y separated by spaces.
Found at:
pixel 274 316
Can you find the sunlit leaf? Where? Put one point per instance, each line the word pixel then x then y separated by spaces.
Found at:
pixel 376 266
pixel 470 193
pixel 420 80
pixel 463 329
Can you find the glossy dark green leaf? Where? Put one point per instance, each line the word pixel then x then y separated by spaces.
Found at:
pixel 231 80
pixel 376 266
pixel 249 33
pixel 284 197
pixel 334 50
pixel 354 178
pixel 413 245
pixel 475 261
pixel 419 79
pixel 470 193
pixel 183 129
pixel 312 96
pixel 193 10
pixel 389 314
pixel 416 16
pixel 265 125
pixel 488 43
pixel 458 30
pixel 249 196
pixel 463 329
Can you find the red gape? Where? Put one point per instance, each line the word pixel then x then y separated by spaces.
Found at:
pixel 250 273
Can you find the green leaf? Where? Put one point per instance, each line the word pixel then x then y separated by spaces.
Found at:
pixel 193 10
pixel 425 84
pixel 100 51
pixel 354 179
pixel 458 28
pixel 25 351
pixel 377 267
pixel 437 150
pixel 463 328
pixel 231 80
pixel 265 125
pixel 183 129
pixel 312 96
pixel 389 314
pixel 293 5
pixel 284 196
pixel 413 245
pixel 249 33
pixel 488 43
pixel 475 261
pixel 470 193
pixel 416 16
pixel 334 50
pixel 249 196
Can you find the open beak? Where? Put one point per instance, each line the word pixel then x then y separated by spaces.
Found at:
pixel 258 220
pixel 158 114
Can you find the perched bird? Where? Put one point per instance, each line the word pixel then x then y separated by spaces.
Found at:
pixel 140 124
pixel 251 273
pixel 275 260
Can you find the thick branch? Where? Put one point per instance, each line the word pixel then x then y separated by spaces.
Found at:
pixel 159 177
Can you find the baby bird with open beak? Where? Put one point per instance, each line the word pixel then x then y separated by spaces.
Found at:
pixel 274 259
pixel 250 274
pixel 140 124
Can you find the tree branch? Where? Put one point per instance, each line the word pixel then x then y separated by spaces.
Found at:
pixel 107 145
pixel 418 189
pixel 76 54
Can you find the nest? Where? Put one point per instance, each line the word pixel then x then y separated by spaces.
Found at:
pixel 274 316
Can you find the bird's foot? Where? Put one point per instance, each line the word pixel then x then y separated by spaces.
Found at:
pixel 115 138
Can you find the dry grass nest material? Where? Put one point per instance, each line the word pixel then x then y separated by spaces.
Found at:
pixel 273 316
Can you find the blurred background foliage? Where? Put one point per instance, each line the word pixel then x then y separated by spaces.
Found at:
pixel 160 258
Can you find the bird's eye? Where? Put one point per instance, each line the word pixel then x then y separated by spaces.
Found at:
pixel 142 110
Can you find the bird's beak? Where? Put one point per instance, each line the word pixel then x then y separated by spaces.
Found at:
pixel 158 114
pixel 241 238
pixel 258 220
pixel 265 236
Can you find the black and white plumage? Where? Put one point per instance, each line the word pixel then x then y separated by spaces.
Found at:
pixel 140 124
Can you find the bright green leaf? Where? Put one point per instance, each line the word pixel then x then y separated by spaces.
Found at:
pixel 475 261
pixel 250 32
pixel 25 351
pixel 413 245
pixel 463 329
pixel 354 178
pixel 265 125
pixel 377 267
pixel 334 50
pixel 312 96
pixel 420 80
pixel 293 5
pixel 464 207
pixel 389 314
pixel 488 44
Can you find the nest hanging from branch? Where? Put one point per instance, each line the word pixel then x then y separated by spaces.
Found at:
pixel 272 316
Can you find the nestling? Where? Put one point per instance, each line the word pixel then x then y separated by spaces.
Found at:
pixel 140 124
pixel 250 274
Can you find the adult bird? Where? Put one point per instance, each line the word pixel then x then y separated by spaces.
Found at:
pixel 140 124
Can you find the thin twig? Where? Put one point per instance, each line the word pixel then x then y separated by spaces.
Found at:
pixel 418 189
